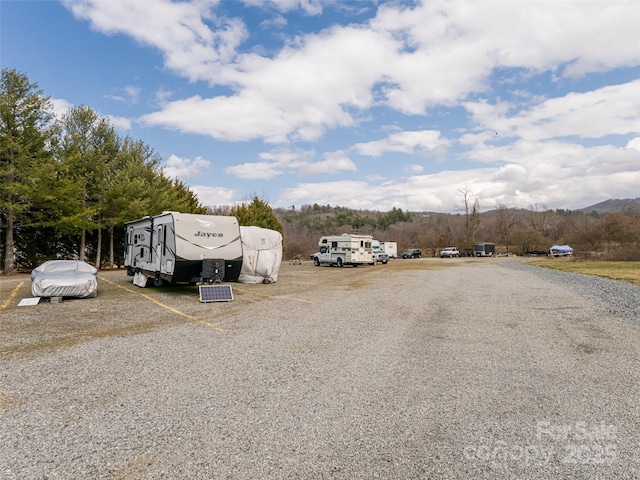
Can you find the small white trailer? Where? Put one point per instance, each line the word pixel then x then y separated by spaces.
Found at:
pixel 390 248
pixel 183 248
pixel 344 249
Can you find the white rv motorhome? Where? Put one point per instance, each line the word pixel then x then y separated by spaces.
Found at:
pixel 183 248
pixel 344 250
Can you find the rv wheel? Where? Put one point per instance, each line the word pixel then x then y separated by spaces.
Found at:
pixel 339 261
pixel 316 262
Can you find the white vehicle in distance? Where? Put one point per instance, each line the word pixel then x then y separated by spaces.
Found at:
pixel 343 250
pixel 450 252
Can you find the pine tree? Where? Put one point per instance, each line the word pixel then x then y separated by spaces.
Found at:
pixel 26 127
pixel 258 213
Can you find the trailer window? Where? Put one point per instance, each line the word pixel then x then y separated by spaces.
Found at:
pixel 161 239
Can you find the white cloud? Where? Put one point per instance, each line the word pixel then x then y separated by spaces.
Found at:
pixel 410 57
pixel 162 96
pixel 274 163
pixel 183 168
pixel 214 196
pixel 234 119
pixel 60 107
pixel 121 123
pixel 255 170
pixel 333 163
pixel 130 94
pixel 610 110
pixel 455 46
pixel 634 143
pixel 424 143
pixel 557 175
pixel 274 22
pixel 325 78
pixel 357 195
pixel 282 160
pixel 310 7
pixel 180 30
pixel 414 169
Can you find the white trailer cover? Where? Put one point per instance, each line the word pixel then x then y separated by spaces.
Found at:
pixel 261 255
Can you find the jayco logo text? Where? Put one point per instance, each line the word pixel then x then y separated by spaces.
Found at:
pixel 207 234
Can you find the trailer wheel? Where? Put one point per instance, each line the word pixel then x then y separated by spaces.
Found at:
pixel 339 262
pixel 316 261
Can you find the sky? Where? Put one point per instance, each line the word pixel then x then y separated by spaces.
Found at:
pixel 363 104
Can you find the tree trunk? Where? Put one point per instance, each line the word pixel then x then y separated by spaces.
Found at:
pixel 111 257
pixel 99 249
pixel 9 247
pixel 83 242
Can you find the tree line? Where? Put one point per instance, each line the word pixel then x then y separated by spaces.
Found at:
pixel 65 182
pixel 609 236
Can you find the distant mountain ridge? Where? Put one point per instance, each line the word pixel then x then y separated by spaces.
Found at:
pixel 613 205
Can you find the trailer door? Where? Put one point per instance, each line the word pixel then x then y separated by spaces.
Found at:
pixel 160 232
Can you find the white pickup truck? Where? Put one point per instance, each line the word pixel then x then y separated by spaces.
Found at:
pixel 380 257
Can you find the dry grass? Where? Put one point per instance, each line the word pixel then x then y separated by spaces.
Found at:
pixel 625 271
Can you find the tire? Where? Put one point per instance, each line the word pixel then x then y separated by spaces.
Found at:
pixel 384 262
pixel 339 262
pixel 316 261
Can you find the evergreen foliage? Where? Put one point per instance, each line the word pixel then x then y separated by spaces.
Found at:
pixel 257 213
pixel 63 182
pixel 27 177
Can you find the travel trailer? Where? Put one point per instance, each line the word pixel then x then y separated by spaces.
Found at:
pixel 344 249
pixel 183 248
pixel 261 255
pixel 390 248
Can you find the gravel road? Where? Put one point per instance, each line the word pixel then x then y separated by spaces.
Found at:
pixel 426 368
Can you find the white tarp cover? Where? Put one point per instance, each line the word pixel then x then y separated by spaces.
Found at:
pixel 261 255
pixel 64 278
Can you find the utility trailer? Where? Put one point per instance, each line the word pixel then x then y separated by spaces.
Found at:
pixel 484 249
pixel 183 248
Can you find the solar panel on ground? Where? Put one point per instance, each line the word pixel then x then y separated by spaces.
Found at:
pixel 215 293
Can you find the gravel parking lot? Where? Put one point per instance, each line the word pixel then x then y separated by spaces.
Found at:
pixel 423 368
